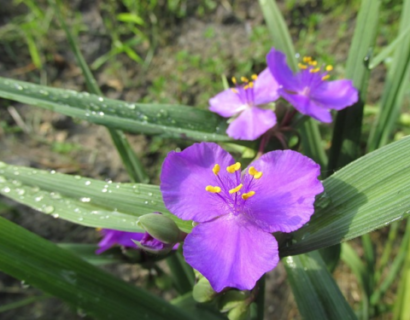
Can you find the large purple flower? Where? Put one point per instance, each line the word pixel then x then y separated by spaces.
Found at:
pixel 308 90
pixel 232 245
pixel 244 103
pixel 125 239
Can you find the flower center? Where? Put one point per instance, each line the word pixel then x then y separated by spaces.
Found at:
pixel 245 90
pixel 237 189
pixel 311 66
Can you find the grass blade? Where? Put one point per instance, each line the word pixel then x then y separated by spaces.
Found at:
pixel 316 293
pixel 348 125
pixel 56 271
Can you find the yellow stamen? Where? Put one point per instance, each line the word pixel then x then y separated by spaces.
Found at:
pixel 250 84
pixel 246 87
pixel 244 79
pixel 329 68
pixel 98 229
pixel 236 189
pixel 313 63
pixel 314 70
pixel 234 167
pixel 216 169
pixel 234 80
pixel 255 173
pixel 212 189
pixel 254 77
pixel 246 196
pixel 302 66
pixel 234 90
pixel 307 59
pixel 325 77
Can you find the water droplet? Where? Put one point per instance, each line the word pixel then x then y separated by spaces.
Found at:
pixel 77 177
pixel 52 172
pixel 6 189
pixel 55 215
pixel 2 179
pixel 38 199
pixel 20 192
pixel 150 194
pixel 55 195
pixel 104 190
pixel 84 199
pixel 100 99
pixel 48 209
pixel 24 285
pixel 87 183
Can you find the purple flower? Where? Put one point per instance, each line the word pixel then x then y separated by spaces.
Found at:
pixel 308 90
pixel 232 245
pixel 243 103
pixel 126 239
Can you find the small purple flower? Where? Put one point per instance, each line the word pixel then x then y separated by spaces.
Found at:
pixel 126 239
pixel 244 103
pixel 308 90
pixel 232 245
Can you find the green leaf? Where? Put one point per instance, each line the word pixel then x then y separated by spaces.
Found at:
pixel 396 84
pixel 347 131
pixel 87 253
pixel 315 291
pixel 198 311
pixel 172 121
pixel 367 194
pixel 182 273
pixel 56 271
pixel 311 141
pixel 84 201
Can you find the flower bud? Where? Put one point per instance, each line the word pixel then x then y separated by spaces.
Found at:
pixel 240 312
pixel 161 227
pixel 203 291
pixel 231 299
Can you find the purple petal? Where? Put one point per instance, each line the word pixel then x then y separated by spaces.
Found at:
pixel 285 193
pixel 117 237
pixel 280 70
pixel 336 95
pixel 265 88
pixel 226 103
pixel 251 124
pixel 307 106
pixel 231 252
pixel 185 176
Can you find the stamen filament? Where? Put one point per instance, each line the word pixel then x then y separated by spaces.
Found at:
pixel 234 167
pixel 236 189
pixel 246 196
pixel 212 189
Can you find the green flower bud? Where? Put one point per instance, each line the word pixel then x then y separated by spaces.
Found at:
pixel 161 227
pixel 232 299
pixel 240 312
pixel 203 291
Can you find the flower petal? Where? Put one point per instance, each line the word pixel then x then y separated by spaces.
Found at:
pixel 284 195
pixel 117 237
pixel 251 124
pixel 307 106
pixel 185 176
pixel 226 103
pixel 336 95
pixel 231 252
pixel 265 88
pixel 280 70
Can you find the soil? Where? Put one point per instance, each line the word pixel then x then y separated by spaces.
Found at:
pixel 90 152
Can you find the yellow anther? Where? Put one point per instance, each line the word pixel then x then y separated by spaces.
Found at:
pixel 307 59
pixel 236 189
pixel 255 173
pixel 246 196
pixel 325 77
pixel 246 87
pixel 234 167
pixel 254 77
pixel 250 84
pixel 234 80
pixel 212 189
pixel 314 70
pixel 244 79
pixel 234 90
pixel 313 63
pixel 216 169
pixel 329 68
pixel 302 66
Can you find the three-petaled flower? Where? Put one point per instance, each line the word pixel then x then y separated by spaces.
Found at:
pixel 244 103
pixel 236 212
pixel 308 90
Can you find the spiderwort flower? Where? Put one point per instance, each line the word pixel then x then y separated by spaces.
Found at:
pixel 236 212
pixel 128 239
pixel 244 103
pixel 308 90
